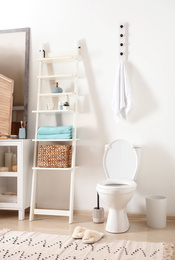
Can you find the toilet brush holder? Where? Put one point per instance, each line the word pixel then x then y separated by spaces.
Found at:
pixel 98 215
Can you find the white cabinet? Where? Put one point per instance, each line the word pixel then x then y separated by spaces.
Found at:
pixel 15 186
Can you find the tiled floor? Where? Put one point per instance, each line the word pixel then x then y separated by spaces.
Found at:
pixel 59 225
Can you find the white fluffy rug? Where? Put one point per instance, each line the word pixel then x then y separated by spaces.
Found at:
pixel 37 246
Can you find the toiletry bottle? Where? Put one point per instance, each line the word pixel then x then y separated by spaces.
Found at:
pixel 8 159
pixel 14 159
pixel 60 105
pixel 14 163
pixel 57 89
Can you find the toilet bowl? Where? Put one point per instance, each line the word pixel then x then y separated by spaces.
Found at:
pixel 120 164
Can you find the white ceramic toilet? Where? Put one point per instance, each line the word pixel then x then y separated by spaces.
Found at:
pixel 120 164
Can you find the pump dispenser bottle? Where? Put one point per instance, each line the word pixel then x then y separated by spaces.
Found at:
pixel 57 89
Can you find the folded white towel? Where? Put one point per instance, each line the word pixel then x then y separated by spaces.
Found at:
pixel 122 101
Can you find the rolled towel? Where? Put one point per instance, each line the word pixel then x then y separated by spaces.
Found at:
pixel 58 136
pixel 54 130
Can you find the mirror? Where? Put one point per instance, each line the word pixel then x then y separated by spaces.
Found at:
pixel 14 64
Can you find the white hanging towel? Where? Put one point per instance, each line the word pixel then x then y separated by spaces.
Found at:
pixel 122 101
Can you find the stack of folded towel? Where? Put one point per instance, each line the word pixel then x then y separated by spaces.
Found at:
pixel 55 132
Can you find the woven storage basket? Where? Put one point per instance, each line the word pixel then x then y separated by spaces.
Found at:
pixel 55 156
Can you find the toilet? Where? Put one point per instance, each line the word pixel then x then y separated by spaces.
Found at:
pixel 120 162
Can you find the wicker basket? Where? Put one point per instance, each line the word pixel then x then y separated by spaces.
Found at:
pixel 55 156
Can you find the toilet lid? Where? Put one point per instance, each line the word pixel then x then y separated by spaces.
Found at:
pixel 120 160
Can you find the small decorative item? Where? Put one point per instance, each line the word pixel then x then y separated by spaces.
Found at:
pixel 14 168
pixel 66 104
pixel 4 169
pixel 50 106
pixel 57 89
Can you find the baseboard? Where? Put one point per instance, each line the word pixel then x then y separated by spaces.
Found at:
pixel 130 215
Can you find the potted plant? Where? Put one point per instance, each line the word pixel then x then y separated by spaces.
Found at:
pixel 66 105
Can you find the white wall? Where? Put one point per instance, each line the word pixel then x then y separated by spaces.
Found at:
pixel 151 64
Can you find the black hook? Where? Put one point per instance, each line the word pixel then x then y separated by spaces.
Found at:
pixel 43 53
pixel 121 35
pixel 121 53
pixel 121 26
pixel 121 44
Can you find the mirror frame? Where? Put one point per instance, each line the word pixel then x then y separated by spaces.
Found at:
pixel 26 81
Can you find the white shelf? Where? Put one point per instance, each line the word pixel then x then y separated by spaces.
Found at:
pixel 9 174
pixel 52 111
pixel 52 169
pixel 56 94
pixel 68 76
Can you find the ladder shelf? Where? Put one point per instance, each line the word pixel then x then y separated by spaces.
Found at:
pixel 55 58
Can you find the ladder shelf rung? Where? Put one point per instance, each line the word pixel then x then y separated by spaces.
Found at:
pixel 56 94
pixel 59 59
pixel 52 212
pixel 49 77
pixel 54 169
pixel 54 140
pixel 52 111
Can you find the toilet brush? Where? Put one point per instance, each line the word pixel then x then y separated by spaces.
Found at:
pixel 98 205
pixel 98 213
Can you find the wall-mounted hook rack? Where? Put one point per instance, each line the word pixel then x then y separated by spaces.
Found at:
pixel 122 39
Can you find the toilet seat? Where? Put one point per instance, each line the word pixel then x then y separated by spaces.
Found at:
pixel 114 185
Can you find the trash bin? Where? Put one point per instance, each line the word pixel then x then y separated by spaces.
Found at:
pixel 156 210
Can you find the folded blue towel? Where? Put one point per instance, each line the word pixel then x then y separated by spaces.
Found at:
pixel 59 136
pixel 54 130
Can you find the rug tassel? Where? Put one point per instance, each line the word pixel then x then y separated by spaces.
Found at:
pixel 167 251
pixel 4 231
